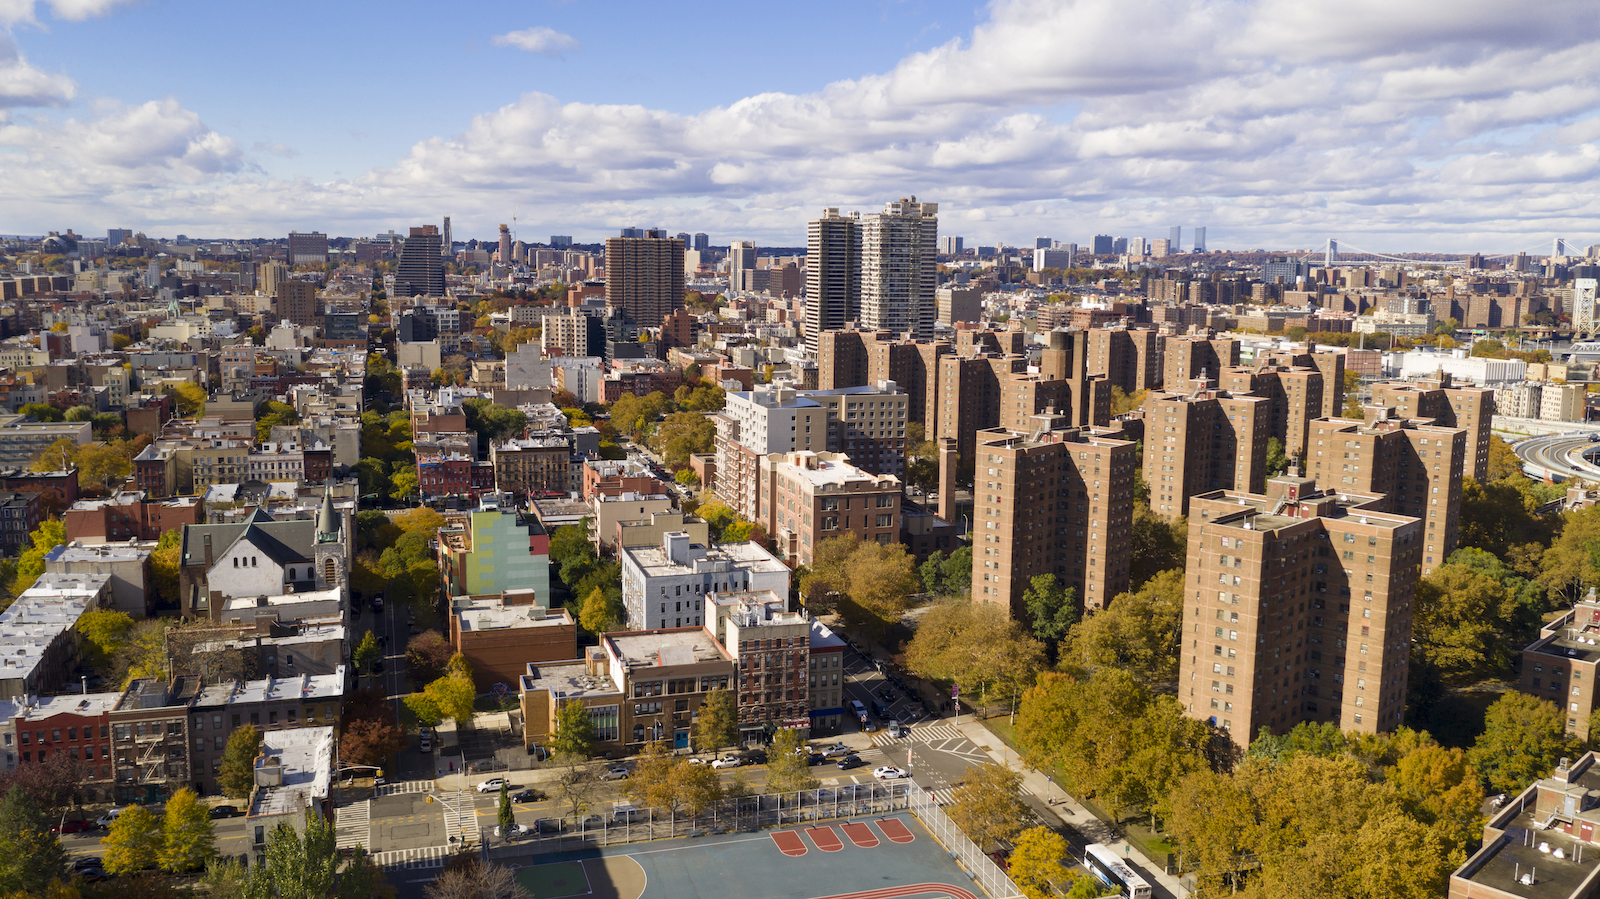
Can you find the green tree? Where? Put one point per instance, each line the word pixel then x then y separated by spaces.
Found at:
pixel 1138 632
pixel 958 571
pixel 1503 460
pixel 1463 619
pixel 424 708
pixel 880 582
pixel 104 632
pixel 238 774
pixel 977 647
pixel 454 697
pixel 717 723
pixel 403 483
pixel 787 770
pixel 30 855
pixel 302 864
pixel 574 736
pixel 50 534
pixel 1052 608
pixel 1277 459
pixel 188 841
pixel 504 816
pixel 367 653
pixel 1522 739
pixel 133 842
pixel 986 803
pixel 572 551
pixel 1036 866
pixel 272 414
pixel 189 400
pixel 1158 544
pixel 932 572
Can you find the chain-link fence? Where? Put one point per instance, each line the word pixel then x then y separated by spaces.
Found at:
pixel 966 853
pixel 630 824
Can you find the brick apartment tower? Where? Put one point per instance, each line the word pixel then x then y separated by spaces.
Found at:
pixel 1204 440
pixel 1057 500
pixel 297 302
pixel 1186 357
pixel 1129 359
pixel 1468 408
pixel 1298 609
pixel 644 277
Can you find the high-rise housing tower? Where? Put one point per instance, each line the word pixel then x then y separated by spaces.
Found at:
pixel 702 241
pixel 899 249
pixel 505 245
pixel 308 248
pixel 1175 239
pixel 833 273
pixel 445 245
pixel 644 277
pixel 741 259
pixel 421 270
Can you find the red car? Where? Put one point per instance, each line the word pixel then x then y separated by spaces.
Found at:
pixel 1001 858
pixel 72 827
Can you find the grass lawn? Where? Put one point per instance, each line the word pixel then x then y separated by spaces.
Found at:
pixel 1456 719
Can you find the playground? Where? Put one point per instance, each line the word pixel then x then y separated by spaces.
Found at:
pixel 888 857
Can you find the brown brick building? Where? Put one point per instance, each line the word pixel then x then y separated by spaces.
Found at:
pixel 1128 358
pixel 1468 408
pixel 808 497
pixel 500 635
pixel 1056 502
pixel 1301 609
pixel 1207 439
pixel 533 466
pixel 1186 357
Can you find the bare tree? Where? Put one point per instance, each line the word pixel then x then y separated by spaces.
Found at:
pixel 468 878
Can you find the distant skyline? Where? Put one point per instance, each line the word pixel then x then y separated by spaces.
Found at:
pixel 1470 126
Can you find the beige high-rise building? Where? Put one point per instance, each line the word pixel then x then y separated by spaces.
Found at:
pixel 899 271
pixel 1469 408
pixel 272 274
pixel 565 335
pixel 1203 440
pixel 1417 469
pixel 1053 500
pixel 505 246
pixel 1301 609
pixel 741 264
pixel 644 277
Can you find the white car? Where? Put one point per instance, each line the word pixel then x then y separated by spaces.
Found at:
pixel 425 744
pixel 728 761
pixel 109 818
pixel 513 832
pixel 889 772
pixel 694 760
pixel 492 785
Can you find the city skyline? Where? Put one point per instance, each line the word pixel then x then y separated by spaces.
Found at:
pixel 1017 118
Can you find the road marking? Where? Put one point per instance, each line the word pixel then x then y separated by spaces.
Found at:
pixel 354 825
pixel 409 786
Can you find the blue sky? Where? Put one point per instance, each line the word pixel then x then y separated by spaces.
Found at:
pixel 1459 126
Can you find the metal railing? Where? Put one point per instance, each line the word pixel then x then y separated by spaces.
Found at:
pixel 979 866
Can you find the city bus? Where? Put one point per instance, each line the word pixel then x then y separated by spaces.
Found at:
pixel 1114 872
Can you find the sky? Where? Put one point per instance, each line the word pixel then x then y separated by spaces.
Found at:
pixel 1417 125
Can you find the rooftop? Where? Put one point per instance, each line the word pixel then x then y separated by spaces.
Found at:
pixel 1533 856
pixel 300 760
pixel 654 561
pixel 85 704
pixel 306 687
pixel 667 646
pixel 132 551
pixel 283 599
pixel 493 613
pixel 830 470
pixel 568 680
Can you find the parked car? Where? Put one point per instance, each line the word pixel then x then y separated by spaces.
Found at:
pixel 515 831
pixel 728 761
pixel 836 750
pixel 377 666
pixel 67 827
pixel 225 811
pixel 614 773
pixel 80 864
pixel 548 825
pixel 888 772
pixel 491 785
pixel 95 874
pixel 815 758
pixel 896 729
pixel 1001 858
pixel 425 744
pixel 109 818
pixel 755 757
pixel 529 795
pixel 867 726
pixel 850 761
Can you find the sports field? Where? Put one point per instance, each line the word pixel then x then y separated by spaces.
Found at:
pixel 891 857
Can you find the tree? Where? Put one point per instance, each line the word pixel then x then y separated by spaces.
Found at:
pixel 698 787
pixel 977 647
pixel 369 741
pixel 598 616
pixel 476 880
pixel 572 551
pixel 880 581
pixel 30 855
pixel 105 632
pixel 1137 632
pixel 1522 738
pixel 1052 608
pixel 1463 621
pixel 574 738
pixel 188 841
pixel 50 534
pixel 164 565
pixel 424 708
pixel 932 572
pixel 367 653
pixel 1503 460
pixel 454 696
pixel 53 784
pixel 403 483
pixel 987 804
pixel 421 519
pixel 144 655
pixel 717 724
pixel 1277 459
pixel 504 816
pixel 273 414
pixel 427 654
pixel 958 572
pixel 189 400
pixel 1158 544
pixel 238 774
pixel 1036 866
pixel 787 769
pixel 133 841
pixel 654 781
pixel 304 864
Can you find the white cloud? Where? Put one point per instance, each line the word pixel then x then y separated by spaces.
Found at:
pixel 13 12
pixel 1417 125
pixel 23 85
pixel 540 39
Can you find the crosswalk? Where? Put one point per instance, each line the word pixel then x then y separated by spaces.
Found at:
pixel 421 857
pixel 406 786
pixel 922 733
pixel 353 825
pixel 460 819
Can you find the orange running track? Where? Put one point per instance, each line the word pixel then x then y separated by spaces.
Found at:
pixel 908 890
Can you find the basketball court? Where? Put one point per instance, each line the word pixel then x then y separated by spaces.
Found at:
pixel 890 857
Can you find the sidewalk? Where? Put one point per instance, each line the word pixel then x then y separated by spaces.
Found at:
pixel 1067 809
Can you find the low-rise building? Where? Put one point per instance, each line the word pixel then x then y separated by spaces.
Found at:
pixel 149 738
pixel 272 705
pixel 76 723
pixel 294 775
pixel 129 515
pixel 544 688
pixel 825 680
pixel 1562 664
pixel 808 497
pixel 126 564
pixel 538 466
pixel 1541 842
pixel 611 510
pixel 495 548
pixel 771 648
pixel 39 642
pixel 501 635
pixel 664 675
pixel 667 585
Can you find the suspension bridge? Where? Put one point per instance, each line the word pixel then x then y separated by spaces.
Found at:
pixel 1334 253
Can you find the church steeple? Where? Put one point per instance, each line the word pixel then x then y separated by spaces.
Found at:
pixel 327 518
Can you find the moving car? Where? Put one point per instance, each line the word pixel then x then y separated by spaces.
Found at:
pixel 836 750
pixel 72 827
pixel 491 785
pixel 225 811
pixel 728 761
pixel 755 756
pixel 425 744
pixel 850 761
pixel 616 773
pixel 889 772
pixel 83 864
pixel 896 729
pixel 109 818
pixel 529 795
pixel 814 759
